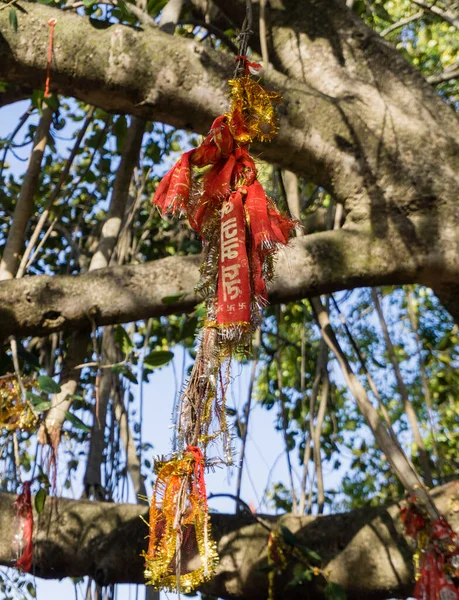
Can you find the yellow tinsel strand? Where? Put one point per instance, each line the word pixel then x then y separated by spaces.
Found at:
pixel 15 411
pixel 251 115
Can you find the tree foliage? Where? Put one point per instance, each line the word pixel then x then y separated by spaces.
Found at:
pixel 91 198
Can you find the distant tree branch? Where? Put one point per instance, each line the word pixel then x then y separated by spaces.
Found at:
pixel 401 23
pixel 447 15
pixel 445 75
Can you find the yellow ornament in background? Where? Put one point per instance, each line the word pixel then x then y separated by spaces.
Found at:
pixel 15 411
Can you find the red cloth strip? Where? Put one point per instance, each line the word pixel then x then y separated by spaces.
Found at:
pixel 233 271
pixel 24 512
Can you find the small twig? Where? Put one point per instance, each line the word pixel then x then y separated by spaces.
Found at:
pixel 8 4
pixel 25 262
pixel 213 30
pixel 446 15
pixel 246 508
pixel 445 75
pixel 263 41
pixel 17 370
pixel 284 418
pixel 401 23
pixel 247 409
pixel 402 389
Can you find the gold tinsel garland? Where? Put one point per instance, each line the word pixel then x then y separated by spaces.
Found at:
pixel 16 412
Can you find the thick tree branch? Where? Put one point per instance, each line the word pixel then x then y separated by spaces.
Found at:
pixel 315 264
pixel 363 550
pixel 346 120
pixel 144 73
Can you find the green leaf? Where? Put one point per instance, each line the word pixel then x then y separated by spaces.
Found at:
pixel 13 19
pixel 309 554
pixel 31 589
pixel 48 385
pixel 53 102
pixel 288 536
pixel 158 359
pixel 34 398
pixel 200 311
pixel 40 500
pixel 37 98
pixel 333 591
pixel 300 575
pixel 123 340
pixel 189 328
pixel 120 129
pixel 125 372
pixel 76 422
pixel 173 298
pixel 28 357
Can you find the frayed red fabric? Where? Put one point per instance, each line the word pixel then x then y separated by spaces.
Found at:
pixel 24 514
pixel 233 273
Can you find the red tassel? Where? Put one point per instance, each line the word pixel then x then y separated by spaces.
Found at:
pixel 24 515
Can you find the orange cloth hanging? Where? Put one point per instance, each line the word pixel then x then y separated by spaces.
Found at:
pixel 179 525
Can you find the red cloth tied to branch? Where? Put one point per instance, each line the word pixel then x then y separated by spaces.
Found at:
pixel 24 536
pixel 438 544
pixel 205 199
pixel 216 187
pixel 181 525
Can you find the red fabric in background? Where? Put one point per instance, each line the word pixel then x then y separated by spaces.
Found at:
pixel 24 512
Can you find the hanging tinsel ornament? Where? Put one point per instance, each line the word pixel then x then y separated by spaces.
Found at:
pixel 241 229
pixel 437 554
pixel 179 524
pixel 16 412
pixel 216 187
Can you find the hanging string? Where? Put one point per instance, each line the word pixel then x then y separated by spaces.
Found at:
pixel 52 24
pixel 244 37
